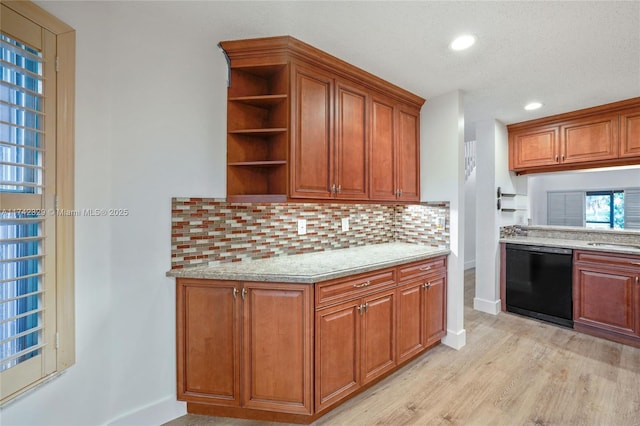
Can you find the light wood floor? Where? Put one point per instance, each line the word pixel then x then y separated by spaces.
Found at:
pixel 513 371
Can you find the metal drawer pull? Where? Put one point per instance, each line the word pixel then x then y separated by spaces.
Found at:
pixel 235 293
pixel 366 306
pixel 635 263
pixel 360 307
pixel 244 293
pixel 425 268
pixel 427 286
pixel 365 284
pixel 636 280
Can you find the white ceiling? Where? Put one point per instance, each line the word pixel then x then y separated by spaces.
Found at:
pixel 567 55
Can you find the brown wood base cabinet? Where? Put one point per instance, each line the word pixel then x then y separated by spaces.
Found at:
pixel 291 352
pixel 245 344
pixel 606 295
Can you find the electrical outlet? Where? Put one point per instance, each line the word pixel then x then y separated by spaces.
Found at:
pixel 345 224
pixel 302 226
pixel 440 222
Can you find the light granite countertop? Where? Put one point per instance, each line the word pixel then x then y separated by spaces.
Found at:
pixel 310 268
pixel 604 246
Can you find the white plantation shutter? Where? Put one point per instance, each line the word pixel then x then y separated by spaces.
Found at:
pixel 33 299
pixel 565 208
pixel 632 208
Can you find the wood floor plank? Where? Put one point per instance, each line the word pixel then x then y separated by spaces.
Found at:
pixel 513 371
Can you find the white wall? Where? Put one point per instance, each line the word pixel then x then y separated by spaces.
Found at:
pixel 470 221
pixel 587 180
pixel 150 124
pixel 442 179
pixel 492 171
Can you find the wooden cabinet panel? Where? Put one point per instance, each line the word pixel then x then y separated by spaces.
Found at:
pixel 602 136
pixel 277 348
pixel 312 145
pixel 408 149
pixel 301 124
pixel 606 295
pixel 337 353
pixel 383 149
pixel 423 268
pixel 342 289
pixel 245 344
pixel 606 299
pixel 422 301
pixel 436 308
pixel 256 350
pixel 205 334
pixel 378 335
pixel 411 324
pixel 589 140
pixel 352 148
pixel 534 148
pixel 630 133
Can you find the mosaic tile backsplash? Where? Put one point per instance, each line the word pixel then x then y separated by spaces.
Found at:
pixel 208 231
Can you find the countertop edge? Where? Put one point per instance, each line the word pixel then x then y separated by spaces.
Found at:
pixel 565 243
pixel 211 273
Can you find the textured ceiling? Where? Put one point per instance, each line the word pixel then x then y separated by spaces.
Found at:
pixel 567 55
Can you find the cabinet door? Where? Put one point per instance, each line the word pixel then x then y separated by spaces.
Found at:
pixel 630 134
pixel 337 353
pixel 277 347
pixel 411 323
pixel 312 139
pixel 534 148
pixel 606 298
pixel 436 308
pixel 408 149
pixel 589 140
pixel 378 335
pixel 383 149
pixel 352 148
pixel 208 335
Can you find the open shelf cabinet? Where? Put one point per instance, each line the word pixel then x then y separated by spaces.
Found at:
pixel 258 133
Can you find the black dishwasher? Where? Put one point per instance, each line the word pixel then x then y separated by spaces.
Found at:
pixel 539 283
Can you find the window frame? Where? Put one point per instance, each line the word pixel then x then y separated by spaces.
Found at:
pixel 609 193
pixel 61 196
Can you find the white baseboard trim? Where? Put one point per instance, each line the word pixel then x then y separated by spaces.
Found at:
pixel 469 264
pixel 153 414
pixel 488 306
pixel 455 340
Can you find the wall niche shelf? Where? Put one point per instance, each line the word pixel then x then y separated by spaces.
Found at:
pixel 511 197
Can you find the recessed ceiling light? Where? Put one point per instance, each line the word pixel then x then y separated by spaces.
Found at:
pixel 532 105
pixel 463 42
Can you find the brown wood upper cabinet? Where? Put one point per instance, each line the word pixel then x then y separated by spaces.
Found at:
pixel 330 139
pixel 630 133
pixel 302 124
pixel 602 136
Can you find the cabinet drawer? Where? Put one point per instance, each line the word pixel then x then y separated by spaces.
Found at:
pixel 354 286
pixel 424 267
pixel 618 260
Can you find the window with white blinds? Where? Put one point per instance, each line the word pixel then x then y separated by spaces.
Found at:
pixel 565 208
pixel 35 282
pixel 632 208
pixel 21 241
pixel 568 208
